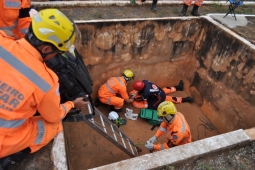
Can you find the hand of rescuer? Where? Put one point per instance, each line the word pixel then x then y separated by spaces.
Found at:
pixel 149 146
pixel 153 139
pixel 79 103
pixel 129 100
pixel 150 143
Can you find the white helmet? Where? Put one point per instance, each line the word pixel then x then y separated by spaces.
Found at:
pixel 113 116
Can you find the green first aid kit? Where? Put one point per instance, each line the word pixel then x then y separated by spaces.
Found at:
pixel 151 115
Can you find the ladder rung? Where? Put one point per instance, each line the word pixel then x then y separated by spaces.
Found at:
pixel 113 133
pixel 122 140
pixel 116 133
pixel 102 121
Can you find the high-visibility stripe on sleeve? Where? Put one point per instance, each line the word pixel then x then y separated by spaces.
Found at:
pixel 57 91
pixel 109 100
pixel 41 132
pixel 10 28
pixel 109 88
pixel 24 70
pixel 121 83
pixel 162 129
pixel 11 123
pixel 64 107
pixel 162 146
pixel 23 30
pixel 183 124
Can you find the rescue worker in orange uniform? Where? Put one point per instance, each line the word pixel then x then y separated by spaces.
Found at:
pixel 187 3
pixel 116 85
pixel 14 16
pixel 174 126
pixel 27 86
pixel 148 95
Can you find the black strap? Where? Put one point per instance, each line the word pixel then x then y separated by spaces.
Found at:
pixel 24 12
pixel 153 127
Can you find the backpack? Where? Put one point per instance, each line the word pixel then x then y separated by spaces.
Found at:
pixel 74 80
pixel 151 115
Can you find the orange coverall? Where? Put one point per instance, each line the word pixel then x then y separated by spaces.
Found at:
pixel 197 2
pixel 177 133
pixel 107 92
pixel 27 86
pixel 144 104
pixel 14 16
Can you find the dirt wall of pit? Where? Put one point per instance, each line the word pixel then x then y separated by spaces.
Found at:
pixel 218 69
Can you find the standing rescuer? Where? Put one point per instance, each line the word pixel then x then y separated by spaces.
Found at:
pixel 27 86
pixel 187 3
pixel 113 86
pixel 174 126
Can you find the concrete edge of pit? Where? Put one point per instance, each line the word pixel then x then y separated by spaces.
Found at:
pixel 226 27
pixel 184 152
pixel 119 3
pixel 58 152
pixel 161 158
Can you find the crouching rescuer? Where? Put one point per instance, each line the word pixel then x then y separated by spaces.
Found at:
pixel 174 126
pixel 114 86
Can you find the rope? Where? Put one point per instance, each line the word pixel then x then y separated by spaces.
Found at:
pixel 207 126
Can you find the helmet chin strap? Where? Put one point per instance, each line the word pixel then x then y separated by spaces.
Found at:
pixel 45 54
pixel 126 78
pixel 169 118
pixel 31 38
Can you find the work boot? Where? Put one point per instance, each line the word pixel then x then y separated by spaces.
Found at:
pixel 97 102
pixel 184 10
pixel 179 87
pixel 116 110
pixel 5 162
pixel 187 99
pixel 194 11
pixel 154 7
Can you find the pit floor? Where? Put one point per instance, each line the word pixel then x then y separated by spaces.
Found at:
pixel 89 149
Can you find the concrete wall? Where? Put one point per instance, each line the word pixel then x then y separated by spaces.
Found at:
pixel 225 80
pixel 217 69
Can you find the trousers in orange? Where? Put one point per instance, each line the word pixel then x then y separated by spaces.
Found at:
pixel 115 101
pixel 196 2
pixel 28 135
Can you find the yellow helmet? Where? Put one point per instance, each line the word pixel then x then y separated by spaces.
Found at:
pixel 166 108
pixel 52 26
pixel 129 74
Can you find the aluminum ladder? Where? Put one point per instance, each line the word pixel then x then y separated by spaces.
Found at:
pixel 111 132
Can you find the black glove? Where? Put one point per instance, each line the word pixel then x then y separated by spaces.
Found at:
pixel 138 99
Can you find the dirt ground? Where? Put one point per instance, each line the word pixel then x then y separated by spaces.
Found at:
pixel 91 149
pixel 102 152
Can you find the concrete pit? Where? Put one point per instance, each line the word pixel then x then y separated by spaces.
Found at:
pixel 216 65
